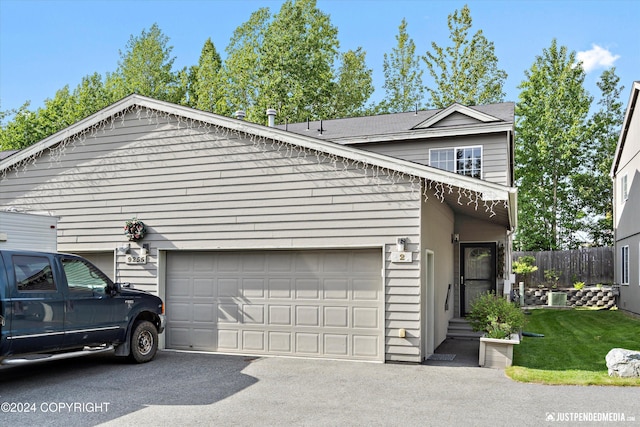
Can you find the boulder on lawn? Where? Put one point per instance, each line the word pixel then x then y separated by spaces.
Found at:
pixel 623 363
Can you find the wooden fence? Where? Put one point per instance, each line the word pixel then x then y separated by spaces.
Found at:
pixel 590 265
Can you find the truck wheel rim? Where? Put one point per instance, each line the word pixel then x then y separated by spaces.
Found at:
pixel 145 342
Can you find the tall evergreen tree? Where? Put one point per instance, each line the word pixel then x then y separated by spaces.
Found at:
pixel 467 71
pixel 550 150
pixel 402 75
pixel 145 68
pixel 205 92
pixel 594 183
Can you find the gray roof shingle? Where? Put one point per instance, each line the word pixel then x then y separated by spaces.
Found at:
pixel 385 124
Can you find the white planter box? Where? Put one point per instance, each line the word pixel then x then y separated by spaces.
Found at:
pixel 497 353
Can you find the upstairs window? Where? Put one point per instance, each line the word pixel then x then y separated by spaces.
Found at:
pixel 623 188
pixel 464 161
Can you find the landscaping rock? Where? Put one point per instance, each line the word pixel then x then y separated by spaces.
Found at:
pixel 623 363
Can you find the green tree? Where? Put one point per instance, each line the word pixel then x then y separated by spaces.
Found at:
pixel 550 150
pixel 290 61
pixel 145 68
pixel 467 71
pixel 241 73
pixel 21 131
pixel 353 87
pixel 593 183
pixel 402 75
pixel 204 91
pixel 91 95
pixel 296 59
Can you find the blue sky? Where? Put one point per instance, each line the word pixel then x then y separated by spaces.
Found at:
pixel 45 45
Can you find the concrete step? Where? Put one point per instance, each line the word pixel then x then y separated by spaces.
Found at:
pixel 459 328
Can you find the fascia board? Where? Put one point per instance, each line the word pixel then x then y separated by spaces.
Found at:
pixel 479 129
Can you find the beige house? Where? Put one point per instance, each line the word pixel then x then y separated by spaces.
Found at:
pixel 349 239
pixel 625 172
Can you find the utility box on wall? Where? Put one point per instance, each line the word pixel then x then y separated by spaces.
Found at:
pixel 28 231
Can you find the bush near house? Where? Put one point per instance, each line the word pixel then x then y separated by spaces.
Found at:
pixel 495 315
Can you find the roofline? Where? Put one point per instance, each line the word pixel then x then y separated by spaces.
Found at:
pixel 475 129
pixel 462 109
pixel 490 191
pixel 626 123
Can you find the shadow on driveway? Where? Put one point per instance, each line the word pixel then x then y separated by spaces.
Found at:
pixel 96 389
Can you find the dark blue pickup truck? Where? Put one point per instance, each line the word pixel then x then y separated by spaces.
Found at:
pixel 55 306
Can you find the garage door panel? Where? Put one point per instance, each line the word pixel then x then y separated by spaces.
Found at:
pixel 280 342
pixel 307 289
pixel 365 346
pixel 254 288
pixel 228 313
pixel 307 303
pixel 204 312
pixel 253 314
pixel 228 287
pixel 308 343
pixel 227 340
pixel 279 315
pixel 253 341
pixel 366 317
pixel 180 312
pixel 365 290
pixel 336 344
pixel 336 317
pixel 307 315
pixel 280 288
pixel 336 289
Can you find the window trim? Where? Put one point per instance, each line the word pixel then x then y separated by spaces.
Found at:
pixel 624 265
pixel 455 161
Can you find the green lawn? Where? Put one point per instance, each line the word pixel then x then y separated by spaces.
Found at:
pixel 574 346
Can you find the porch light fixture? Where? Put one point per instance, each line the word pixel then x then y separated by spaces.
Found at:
pixel 455 238
pixel 124 249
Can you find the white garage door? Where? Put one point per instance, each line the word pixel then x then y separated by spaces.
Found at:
pixel 305 303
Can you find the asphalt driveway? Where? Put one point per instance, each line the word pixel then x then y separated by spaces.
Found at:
pixel 184 389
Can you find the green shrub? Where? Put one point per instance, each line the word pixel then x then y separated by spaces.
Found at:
pixel 495 315
pixel 578 285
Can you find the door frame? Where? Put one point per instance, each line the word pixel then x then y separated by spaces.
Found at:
pixel 493 247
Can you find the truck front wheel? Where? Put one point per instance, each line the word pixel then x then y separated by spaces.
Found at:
pixel 144 342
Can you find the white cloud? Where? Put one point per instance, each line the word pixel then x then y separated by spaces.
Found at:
pixel 597 57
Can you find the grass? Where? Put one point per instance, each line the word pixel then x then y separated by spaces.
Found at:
pixel 574 346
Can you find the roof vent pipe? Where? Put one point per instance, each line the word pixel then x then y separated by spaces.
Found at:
pixel 240 115
pixel 271 115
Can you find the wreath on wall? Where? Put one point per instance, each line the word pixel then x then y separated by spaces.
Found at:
pixel 134 229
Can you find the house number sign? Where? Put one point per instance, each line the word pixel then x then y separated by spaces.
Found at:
pixel 401 256
pixel 132 259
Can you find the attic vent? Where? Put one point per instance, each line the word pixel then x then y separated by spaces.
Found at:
pixel 240 115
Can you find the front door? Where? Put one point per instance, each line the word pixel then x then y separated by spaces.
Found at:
pixel 477 272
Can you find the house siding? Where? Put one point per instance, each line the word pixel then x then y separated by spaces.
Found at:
pixel 438 221
pixel 201 187
pixel 495 152
pixel 626 225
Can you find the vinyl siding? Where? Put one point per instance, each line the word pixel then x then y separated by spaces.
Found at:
pixel 626 224
pixel 437 226
pixel 495 152
pixel 198 187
